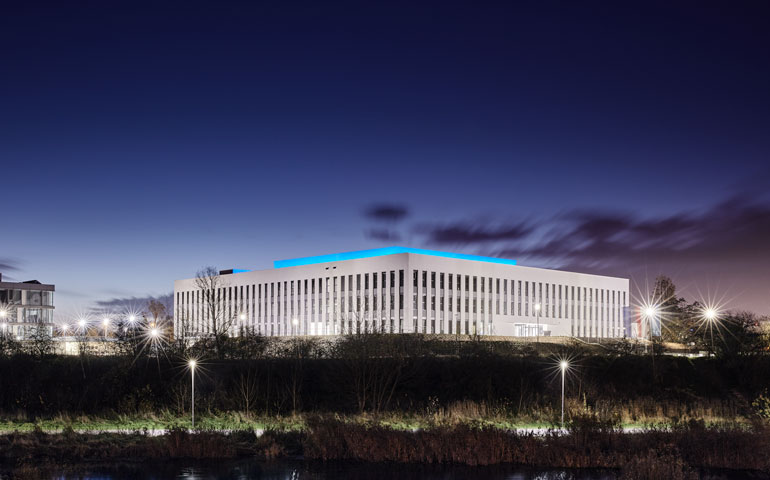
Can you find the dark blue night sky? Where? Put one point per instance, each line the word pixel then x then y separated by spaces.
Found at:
pixel 142 141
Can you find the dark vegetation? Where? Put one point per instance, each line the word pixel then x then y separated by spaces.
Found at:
pixel 669 453
pixel 72 447
pixel 678 453
pixel 380 374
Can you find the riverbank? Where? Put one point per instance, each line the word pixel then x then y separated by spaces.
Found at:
pixel 240 421
pixel 676 453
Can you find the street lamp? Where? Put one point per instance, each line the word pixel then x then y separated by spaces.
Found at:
pixel 82 325
pixel 563 365
pixel 192 363
pixel 650 313
pixel 106 323
pixel 710 315
pixel 537 309
pixel 294 323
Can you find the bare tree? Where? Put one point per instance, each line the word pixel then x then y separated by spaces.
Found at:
pixel 248 387
pixel 158 311
pixel 184 330
pixel 374 363
pixel 219 311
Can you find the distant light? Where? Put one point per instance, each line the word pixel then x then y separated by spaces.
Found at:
pixel 563 364
pixel 537 306
pixel 242 317
pixel 294 321
pixel 710 314
pixel 154 332
pixel 192 363
pixel 3 313
pixel 65 327
pixel 82 323
pixel 132 318
pixel 650 311
pixel 106 322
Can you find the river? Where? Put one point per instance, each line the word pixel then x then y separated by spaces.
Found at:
pixel 292 470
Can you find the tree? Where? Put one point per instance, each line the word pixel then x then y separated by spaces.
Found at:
pixel 40 343
pixel 674 315
pixel 739 334
pixel 158 311
pixel 220 319
pixel 375 365
pixel 9 346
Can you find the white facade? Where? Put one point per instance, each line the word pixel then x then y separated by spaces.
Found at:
pixel 413 291
pixel 25 308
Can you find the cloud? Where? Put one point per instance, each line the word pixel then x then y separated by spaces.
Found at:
pixel 735 228
pixel 383 235
pixel 8 265
pixel 469 234
pixel 727 245
pixel 133 303
pixel 386 212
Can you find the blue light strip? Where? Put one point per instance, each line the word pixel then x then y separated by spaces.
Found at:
pixel 379 252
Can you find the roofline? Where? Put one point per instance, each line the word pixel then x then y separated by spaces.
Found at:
pixel 28 286
pixel 379 252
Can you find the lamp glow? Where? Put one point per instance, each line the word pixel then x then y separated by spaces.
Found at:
pixel 563 366
pixel 192 363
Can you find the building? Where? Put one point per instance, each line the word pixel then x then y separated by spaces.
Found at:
pixel 25 307
pixel 403 290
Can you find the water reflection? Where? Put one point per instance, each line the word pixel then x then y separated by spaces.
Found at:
pixel 298 470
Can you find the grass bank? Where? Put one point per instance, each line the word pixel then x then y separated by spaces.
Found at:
pixel 240 421
pixel 675 453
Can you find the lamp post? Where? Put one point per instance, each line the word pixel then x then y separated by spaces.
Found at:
pixel 650 313
pixel 106 324
pixel 537 310
pixel 192 364
pixel 563 365
pixel 154 336
pixel 711 315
